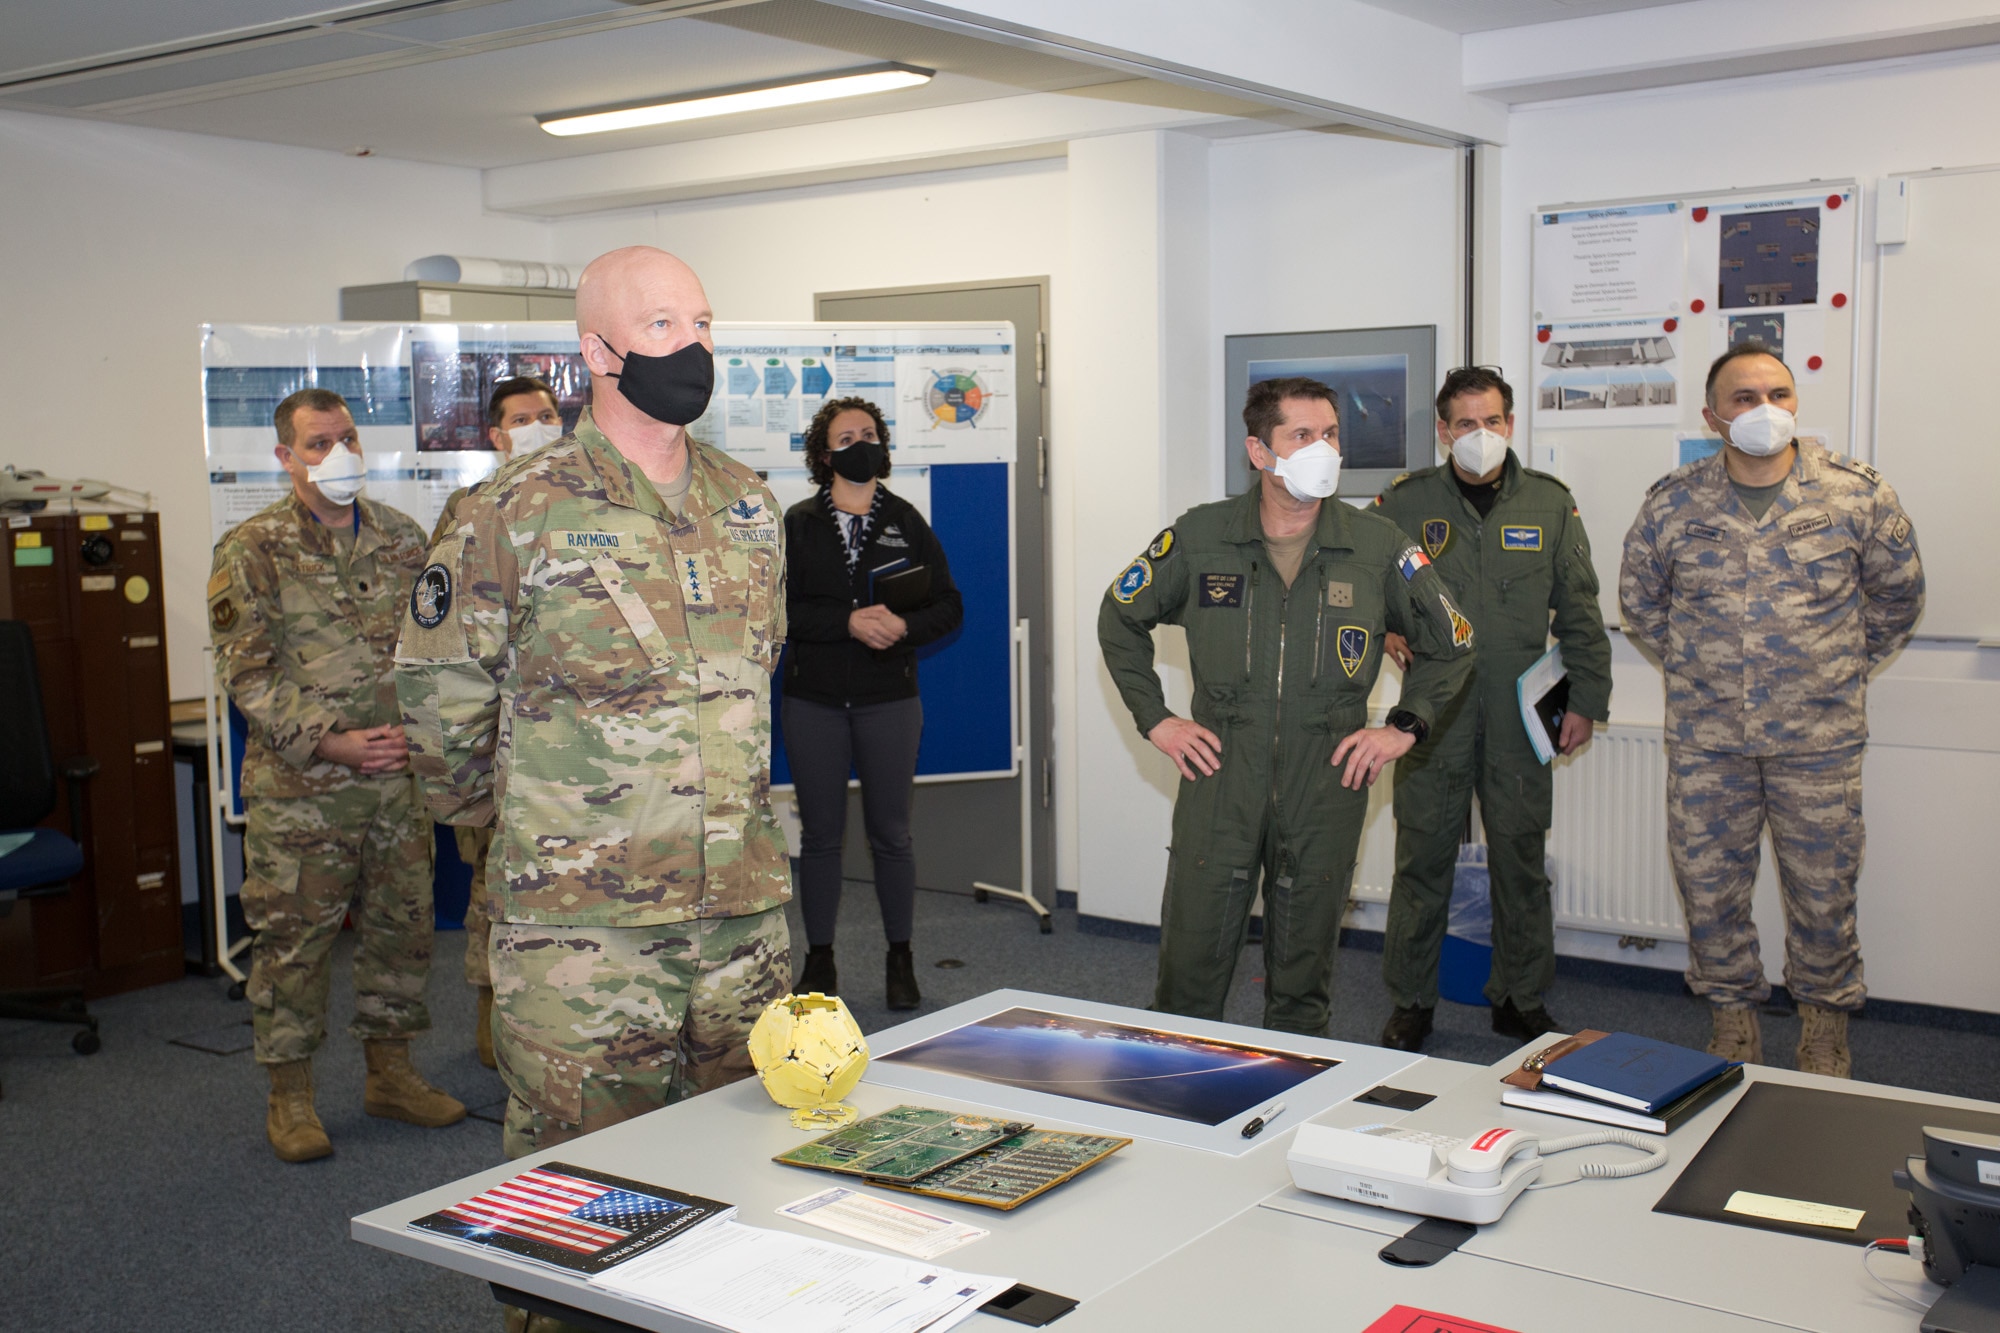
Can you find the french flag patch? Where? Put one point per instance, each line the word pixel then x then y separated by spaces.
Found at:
pixel 1410 561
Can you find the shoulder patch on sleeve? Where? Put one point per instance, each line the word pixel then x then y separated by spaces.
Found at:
pixel 1162 547
pixel 1137 576
pixel 434 626
pixel 229 606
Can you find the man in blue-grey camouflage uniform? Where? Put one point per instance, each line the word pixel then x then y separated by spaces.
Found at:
pixel 1770 579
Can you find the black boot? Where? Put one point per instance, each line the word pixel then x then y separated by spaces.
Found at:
pixel 1407 1028
pixel 1522 1024
pixel 902 983
pixel 818 974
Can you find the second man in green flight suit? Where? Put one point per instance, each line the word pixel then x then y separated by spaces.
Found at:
pixel 1509 544
pixel 1286 599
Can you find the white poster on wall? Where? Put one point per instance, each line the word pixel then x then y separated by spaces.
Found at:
pixel 1610 372
pixel 943 389
pixel 421 437
pixel 1626 260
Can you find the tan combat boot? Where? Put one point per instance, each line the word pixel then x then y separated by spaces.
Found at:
pixel 1736 1035
pixel 396 1091
pixel 1823 1042
pixel 483 1030
pixel 291 1123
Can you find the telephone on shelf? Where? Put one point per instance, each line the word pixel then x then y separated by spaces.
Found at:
pixel 1466 1180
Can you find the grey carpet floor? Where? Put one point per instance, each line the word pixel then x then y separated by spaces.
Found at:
pixel 139 1191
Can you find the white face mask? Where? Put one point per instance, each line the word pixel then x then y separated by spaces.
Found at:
pixel 1312 473
pixel 1763 430
pixel 340 475
pixel 526 439
pixel 1479 451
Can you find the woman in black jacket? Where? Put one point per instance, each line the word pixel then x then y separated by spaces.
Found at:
pixel 850 684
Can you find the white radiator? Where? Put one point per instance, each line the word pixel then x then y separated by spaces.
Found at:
pixel 1607 847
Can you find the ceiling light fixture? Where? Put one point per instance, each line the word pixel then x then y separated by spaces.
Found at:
pixel 729 101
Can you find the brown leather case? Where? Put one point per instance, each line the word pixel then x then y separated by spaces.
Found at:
pixel 1529 1075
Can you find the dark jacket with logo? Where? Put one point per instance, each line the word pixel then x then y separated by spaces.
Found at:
pixel 824 664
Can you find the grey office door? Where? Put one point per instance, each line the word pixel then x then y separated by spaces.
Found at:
pixel 965 831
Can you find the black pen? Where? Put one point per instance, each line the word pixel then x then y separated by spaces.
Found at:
pixel 1263 1118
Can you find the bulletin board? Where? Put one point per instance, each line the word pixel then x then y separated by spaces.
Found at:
pixel 1632 299
pixel 418 393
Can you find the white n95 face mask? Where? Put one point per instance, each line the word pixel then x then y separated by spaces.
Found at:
pixel 1312 473
pixel 1479 451
pixel 526 439
pixel 1763 430
pixel 340 475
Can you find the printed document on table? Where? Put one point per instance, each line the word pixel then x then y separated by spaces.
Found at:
pixel 893 1226
pixel 756 1281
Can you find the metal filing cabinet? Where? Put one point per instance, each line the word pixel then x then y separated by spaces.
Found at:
pixel 456 302
pixel 88 585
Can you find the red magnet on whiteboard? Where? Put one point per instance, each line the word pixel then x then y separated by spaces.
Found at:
pixel 1697 305
pixel 1833 201
pixel 1542 335
pixel 1671 325
pixel 1814 363
pixel 1701 215
pixel 1839 300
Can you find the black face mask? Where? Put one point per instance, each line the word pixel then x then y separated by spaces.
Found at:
pixel 859 462
pixel 673 388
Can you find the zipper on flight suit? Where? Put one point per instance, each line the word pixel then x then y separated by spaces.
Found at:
pixel 1319 623
pixel 1249 621
pixel 1278 697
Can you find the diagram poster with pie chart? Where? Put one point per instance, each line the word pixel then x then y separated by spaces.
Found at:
pixel 954 402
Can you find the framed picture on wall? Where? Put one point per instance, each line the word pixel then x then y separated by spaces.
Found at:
pixel 1382 380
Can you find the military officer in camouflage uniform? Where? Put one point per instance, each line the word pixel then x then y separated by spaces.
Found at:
pixel 1510 545
pixel 521 416
pixel 1285 596
pixel 586 665
pixel 303 607
pixel 1770 579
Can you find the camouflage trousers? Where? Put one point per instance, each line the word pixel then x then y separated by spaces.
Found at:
pixel 595 1025
pixel 473 844
pixel 1717 808
pixel 308 861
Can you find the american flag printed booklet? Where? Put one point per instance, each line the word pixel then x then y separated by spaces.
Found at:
pixel 573 1218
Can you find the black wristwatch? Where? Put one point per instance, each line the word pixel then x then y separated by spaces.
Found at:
pixel 1402 719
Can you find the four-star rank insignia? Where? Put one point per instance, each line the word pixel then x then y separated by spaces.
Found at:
pixel 1437 532
pixel 1351 646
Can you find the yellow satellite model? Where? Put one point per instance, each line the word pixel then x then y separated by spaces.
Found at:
pixel 810 1053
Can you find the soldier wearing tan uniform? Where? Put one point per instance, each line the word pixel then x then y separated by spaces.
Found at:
pixel 1770 579
pixel 303 607
pixel 521 417
pixel 586 665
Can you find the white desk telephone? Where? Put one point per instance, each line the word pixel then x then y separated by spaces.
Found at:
pixel 1465 1180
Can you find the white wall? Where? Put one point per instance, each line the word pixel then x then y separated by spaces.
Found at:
pixel 1927 899
pixel 120 243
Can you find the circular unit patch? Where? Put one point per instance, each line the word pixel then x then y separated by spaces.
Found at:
pixel 430 600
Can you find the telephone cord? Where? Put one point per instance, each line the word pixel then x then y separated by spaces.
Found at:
pixel 1656 1156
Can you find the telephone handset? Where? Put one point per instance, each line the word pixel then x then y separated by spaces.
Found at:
pixel 1466 1180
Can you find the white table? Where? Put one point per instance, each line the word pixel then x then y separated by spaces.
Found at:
pixel 1166 1237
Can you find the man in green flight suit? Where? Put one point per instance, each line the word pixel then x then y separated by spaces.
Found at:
pixel 1285 599
pixel 1510 545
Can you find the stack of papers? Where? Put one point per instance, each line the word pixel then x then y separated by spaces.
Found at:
pixel 1544 693
pixel 756 1281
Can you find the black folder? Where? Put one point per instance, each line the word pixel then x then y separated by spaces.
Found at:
pixel 903 590
pixel 1815 1145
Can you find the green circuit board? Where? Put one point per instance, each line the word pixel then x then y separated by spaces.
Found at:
pixel 903 1145
pixel 1018 1168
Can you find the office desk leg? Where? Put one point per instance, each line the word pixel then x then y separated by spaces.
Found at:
pixel 568 1314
